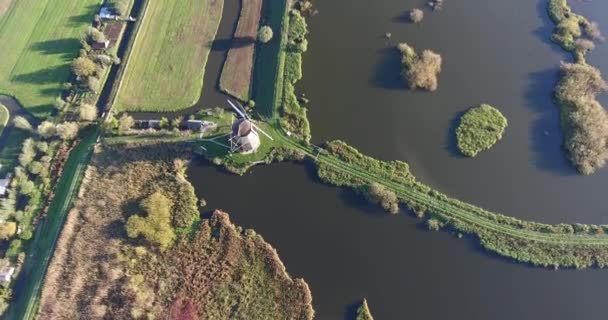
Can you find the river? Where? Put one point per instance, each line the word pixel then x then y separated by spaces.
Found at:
pixel 494 52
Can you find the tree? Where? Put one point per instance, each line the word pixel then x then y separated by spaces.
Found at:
pixel 164 123
pixel 363 312
pixel 87 112
pixel 110 124
pixel 95 35
pixel 22 123
pixel 67 130
pixel 42 146
pixel 7 230
pixel 84 67
pixel 584 45
pixel 28 152
pixel 93 83
pixel 420 71
pixel 35 168
pixel 156 226
pixel 125 123
pixel 378 193
pixel 265 34
pixel 60 104
pixel 46 129
pixel 416 15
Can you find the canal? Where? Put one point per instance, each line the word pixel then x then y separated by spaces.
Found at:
pixel 495 52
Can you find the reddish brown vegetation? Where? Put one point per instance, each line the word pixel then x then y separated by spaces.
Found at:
pixel 236 74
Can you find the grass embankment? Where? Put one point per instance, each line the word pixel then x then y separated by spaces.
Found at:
pixel 363 312
pixel 166 67
pixel 214 270
pixel 237 70
pixel 4 116
pixel 30 279
pixel 479 129
pixel 39 39
pixel 270 60
pixel 583 119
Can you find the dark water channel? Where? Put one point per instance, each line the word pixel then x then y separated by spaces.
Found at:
pixel 495 52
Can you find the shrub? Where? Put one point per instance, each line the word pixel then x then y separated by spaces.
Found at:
pixel 125 123
pixel 60 104
pixel 433 224
pixel 420 71
pixel 15 248
pixel 584 120
pixel 121 7
pixel 84 67
pixel 592 30
pixel 7 230
pixel 297 26
pixel 583 45
pixel 46 129
pixel 378 193
pixel 87 112
pixel 95 35
pixel 22 123
pixel 28 152
pixel 93 83
pixel 363 312
pixel 416 15
pixel 480 128
pixel 265 34
pixel 156 226
pixel 67 130
pixel 35 168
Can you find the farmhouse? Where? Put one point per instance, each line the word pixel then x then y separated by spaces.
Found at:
pixel 4 184
pixel 106 13
pixel 6 274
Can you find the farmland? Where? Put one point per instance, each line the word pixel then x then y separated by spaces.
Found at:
pixel 39 39
pixel 236 74
pixel 166 67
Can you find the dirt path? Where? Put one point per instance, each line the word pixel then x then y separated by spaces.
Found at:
pixel 4 5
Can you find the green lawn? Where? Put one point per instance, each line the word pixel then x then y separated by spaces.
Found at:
pixel 4 115
pixel 39 38
pixel 166 67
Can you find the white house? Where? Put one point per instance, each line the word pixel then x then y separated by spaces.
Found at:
pixel 6 274
pixel 4 184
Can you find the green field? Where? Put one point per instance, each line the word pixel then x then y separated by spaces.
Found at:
pixel 39 39
pixel 166 67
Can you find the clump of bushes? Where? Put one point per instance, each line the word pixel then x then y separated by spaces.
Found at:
pixel 265 34
pixel 363 312
pixel 420 71
pixel 584 120
pixel 379 194
pixel 416 15
pixel 156 226
pixel 480 128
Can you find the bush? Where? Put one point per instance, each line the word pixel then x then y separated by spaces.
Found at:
pixel 420 71
pixel 592 30
pixel 93 83
pixel 265 34
pixel 84 67
pixel 378 193
pixel 22 123
pixel 67 130
pixel 416 15
pixel 583 45
pixel 363 312
pixel 87 112
pixel 7 230
pixel 156 226
pixel 46 129
pixel 15 248
pixel 35 168
pixel 297 26
pixel 125 123
pixel 95 35
pixel 480 128
pixel 28 152
pixel 584 120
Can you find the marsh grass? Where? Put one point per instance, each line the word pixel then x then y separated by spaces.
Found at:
pixel 479 129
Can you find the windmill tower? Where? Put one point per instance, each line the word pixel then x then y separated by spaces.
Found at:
pixel 244 137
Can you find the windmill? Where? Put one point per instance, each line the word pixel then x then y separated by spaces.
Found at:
pixel 244 137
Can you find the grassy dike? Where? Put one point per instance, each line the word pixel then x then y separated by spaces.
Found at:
pixel 41 249
pixel 561 245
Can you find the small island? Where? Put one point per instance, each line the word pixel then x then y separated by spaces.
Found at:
pixel 479 129
pixel 420 70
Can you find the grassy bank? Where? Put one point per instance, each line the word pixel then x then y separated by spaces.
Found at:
pixel 39 39
pixel 237 70
pixel 214 271
pixel 167 64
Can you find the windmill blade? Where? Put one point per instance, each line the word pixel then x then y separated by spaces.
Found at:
pixel 262 131
pixel 241 113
